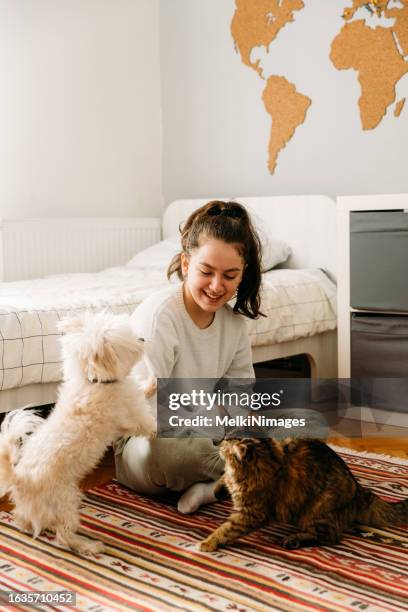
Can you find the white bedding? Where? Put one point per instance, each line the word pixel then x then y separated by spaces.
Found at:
pixel 298 303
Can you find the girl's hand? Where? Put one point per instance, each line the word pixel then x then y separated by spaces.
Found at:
pixel 149 387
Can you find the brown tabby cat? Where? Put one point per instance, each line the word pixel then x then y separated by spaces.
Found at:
pixel 301 482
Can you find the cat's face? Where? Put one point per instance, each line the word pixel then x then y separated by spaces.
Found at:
pixel 240 454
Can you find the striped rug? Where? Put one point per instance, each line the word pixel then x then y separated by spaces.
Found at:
pixel 152 562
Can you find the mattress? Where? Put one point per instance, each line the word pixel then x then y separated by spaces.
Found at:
pixel 297 303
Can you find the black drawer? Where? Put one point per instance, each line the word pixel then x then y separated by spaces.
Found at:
pixel 379 260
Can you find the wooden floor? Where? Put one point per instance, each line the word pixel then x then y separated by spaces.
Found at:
pixel 397 447
pixel 382 439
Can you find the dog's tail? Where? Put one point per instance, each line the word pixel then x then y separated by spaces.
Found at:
pixel 6 467
pixel 21 422
pixel 15 429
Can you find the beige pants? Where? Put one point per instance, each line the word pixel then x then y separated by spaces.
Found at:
pixel 154 466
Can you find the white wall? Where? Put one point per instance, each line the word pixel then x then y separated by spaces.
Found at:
pixel 80 119
pixel 216 130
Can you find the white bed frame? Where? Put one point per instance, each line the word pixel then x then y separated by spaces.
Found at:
pixel 307 223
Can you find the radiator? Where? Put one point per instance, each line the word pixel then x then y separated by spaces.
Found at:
pixel 30 248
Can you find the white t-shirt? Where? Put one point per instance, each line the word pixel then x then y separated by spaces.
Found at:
pixel 175 347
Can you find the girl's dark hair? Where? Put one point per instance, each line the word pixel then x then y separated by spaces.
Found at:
pixel 230 222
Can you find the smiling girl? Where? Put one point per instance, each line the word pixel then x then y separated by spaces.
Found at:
pixel 191 331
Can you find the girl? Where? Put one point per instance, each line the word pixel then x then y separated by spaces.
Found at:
pixel 190 331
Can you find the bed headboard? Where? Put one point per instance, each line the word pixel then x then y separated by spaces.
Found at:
pixel 306 223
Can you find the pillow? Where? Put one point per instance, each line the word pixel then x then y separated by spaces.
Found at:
pixel 274 252
pixel 157 256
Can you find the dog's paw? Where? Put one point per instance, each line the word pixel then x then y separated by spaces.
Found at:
pixel 208 545
pixel 91 547
pixel 97 548
pixel 23 524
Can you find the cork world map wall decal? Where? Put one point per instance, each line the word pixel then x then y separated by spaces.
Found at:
pixel 372 41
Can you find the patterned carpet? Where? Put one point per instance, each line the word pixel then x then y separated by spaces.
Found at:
pixel 152 562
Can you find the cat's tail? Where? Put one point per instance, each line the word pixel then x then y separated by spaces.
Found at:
pixel 374 511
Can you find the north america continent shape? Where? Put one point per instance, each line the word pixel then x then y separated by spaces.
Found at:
pixel 256 23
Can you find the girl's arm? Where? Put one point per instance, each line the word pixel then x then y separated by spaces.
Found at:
pixel 161 344
pixel 150 387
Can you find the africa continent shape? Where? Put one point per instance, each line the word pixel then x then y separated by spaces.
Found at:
pixel 376 53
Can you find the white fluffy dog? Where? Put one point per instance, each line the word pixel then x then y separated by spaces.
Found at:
pixel 97 403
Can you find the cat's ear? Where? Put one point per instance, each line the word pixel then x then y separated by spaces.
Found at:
pixel 240 451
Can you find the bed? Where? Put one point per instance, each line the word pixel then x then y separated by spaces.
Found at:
pixel 298 296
